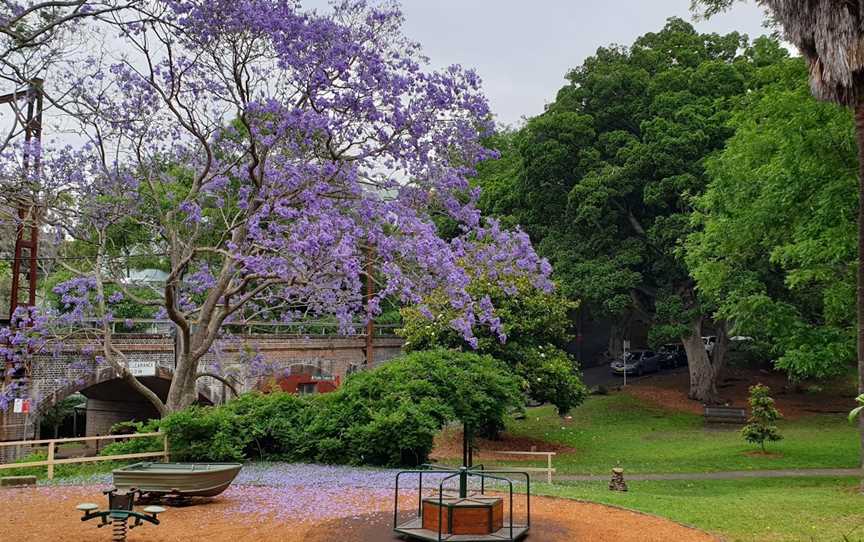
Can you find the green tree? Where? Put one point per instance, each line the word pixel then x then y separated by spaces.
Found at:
pixel 762 424
pixel 829 35
pixel 54 416
pixel 535 325
pixel 775 242
pixel 603 181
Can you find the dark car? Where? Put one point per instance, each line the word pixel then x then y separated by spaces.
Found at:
pixel 637 362
pixel 672 355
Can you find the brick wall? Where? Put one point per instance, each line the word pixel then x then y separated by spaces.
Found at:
pixel 101 415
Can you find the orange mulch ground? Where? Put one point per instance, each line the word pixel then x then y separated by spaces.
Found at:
pixel 47 514
pixel 669 390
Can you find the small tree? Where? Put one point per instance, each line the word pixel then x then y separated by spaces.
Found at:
pixel 761 426
pixel 54 416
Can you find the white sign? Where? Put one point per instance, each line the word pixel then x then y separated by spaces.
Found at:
pixel 142 368
pixel 21 406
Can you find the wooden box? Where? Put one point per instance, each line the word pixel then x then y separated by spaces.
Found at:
pixel 472 515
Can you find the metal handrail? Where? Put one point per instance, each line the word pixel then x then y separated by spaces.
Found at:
pixel 301 328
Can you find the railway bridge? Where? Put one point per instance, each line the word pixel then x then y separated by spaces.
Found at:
pixel 301 360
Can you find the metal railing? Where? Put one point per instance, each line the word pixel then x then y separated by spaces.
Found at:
pixel 310 328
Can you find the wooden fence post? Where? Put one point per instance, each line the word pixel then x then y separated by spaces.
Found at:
pixel 165 444
pixel 51 460
pixel 549 466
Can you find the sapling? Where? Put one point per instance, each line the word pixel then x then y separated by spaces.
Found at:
pixel 761 425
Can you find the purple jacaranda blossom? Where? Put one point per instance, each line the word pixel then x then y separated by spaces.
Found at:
pixel 273 158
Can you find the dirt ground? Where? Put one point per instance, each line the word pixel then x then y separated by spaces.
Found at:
pixel 246 514
pixel 669 390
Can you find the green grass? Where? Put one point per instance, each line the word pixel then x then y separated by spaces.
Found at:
pixel 619 429
pixel 763 510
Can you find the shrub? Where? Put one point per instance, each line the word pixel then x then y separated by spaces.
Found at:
pixel 206 434
pixel 134 445
pixel 761 426
pixel 387 416
pixel 273 424
pixel 551 377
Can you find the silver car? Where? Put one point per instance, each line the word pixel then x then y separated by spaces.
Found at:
pixel 637 362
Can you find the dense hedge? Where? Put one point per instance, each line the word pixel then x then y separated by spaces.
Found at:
pixel 387 416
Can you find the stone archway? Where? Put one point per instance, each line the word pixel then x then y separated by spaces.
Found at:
pixel 111 400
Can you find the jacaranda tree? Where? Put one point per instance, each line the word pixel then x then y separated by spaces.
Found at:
pixel 269 157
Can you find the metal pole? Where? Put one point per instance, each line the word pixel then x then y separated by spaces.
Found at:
pixel 27 213
pixel 370 324
pixel 626 349
pixel 466 460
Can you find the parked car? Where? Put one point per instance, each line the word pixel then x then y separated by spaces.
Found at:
pixel 672 355
pixel 637 362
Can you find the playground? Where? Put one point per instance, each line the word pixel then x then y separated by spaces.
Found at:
pixel 309 503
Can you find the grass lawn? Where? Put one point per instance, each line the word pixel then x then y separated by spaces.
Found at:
pixel 618 429
pixel 764 510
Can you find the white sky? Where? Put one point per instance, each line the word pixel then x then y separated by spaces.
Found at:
pixel 522 49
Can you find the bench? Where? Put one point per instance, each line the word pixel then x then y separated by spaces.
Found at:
pixel 725 414
pixel 17 481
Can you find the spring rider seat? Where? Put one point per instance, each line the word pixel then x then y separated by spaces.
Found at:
pixel 121 506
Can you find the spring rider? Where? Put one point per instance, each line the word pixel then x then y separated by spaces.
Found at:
pixel 121 504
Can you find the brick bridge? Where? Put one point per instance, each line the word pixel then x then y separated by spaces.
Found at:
pixel 305 361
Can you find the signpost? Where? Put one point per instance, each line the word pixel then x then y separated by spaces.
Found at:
pixel 626 349
pixel 21 406
pixel 142 368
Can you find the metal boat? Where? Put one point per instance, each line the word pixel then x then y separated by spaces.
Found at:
pixel 180 479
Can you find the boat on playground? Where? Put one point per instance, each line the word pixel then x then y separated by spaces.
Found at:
pixel 177 479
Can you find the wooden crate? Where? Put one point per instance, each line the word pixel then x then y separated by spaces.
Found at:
pixel 471 515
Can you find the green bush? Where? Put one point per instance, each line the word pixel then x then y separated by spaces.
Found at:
pixel 387 416
pixel 134 445
pixel 552 378
pixel 206 434
pixel 536 325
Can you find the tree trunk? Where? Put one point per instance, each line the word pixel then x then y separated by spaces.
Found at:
pixel 183 393
pixel 619 331
pixel 704 371
pixel 859 132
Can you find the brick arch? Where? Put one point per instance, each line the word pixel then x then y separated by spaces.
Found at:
pixel 103 375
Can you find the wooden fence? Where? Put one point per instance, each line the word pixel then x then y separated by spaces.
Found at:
pixel 548 469
pixel 52 445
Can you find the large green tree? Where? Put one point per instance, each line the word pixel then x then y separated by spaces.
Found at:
pixel 775 244
pixel 829 34
pixel 604 179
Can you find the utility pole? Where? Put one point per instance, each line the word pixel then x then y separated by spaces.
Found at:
pixel 27 229
pixel 27 226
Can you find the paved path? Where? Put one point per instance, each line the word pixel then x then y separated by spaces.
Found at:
pixel 726 475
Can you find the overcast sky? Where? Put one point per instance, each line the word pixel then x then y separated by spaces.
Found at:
pixel 522 49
